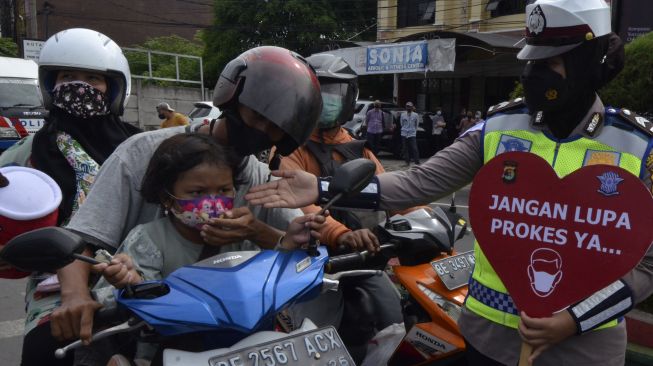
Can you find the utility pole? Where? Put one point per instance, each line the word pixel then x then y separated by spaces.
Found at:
pixel 6 18
pixel 47 10
pixel 19 24
pixel 31 31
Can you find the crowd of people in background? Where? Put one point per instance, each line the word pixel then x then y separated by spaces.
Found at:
pixel 441 130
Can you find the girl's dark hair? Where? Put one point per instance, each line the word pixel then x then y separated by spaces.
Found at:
pixel 177 155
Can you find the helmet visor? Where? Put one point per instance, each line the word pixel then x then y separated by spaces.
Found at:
pixel 333 98
pixel 334 89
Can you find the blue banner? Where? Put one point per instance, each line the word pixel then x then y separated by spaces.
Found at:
pixel 397 58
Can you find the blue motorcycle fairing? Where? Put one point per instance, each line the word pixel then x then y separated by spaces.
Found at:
pixel 245 297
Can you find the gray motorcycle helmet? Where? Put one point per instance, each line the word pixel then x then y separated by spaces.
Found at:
pixel 336 79
pixel 278 84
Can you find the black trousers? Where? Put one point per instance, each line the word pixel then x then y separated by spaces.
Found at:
pixel 476 358
pixel 39 347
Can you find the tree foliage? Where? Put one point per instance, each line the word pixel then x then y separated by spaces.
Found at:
pixel 518 91
pixel 8 48
pixel 633 87
pixel 163 66
pixel 299 25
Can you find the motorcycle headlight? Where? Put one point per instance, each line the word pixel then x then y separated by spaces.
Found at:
pixel 452 309
pixel 8 133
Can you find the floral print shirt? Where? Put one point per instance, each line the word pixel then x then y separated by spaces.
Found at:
pixel 41 304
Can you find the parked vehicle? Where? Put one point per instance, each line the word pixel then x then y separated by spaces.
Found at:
pixel 203 112
pixel 21 108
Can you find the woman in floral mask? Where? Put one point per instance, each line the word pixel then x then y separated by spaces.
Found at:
pixel 85 83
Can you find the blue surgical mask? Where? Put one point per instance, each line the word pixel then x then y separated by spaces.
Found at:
pixel 331 109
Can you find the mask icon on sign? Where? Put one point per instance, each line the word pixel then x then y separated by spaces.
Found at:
pixel 545 271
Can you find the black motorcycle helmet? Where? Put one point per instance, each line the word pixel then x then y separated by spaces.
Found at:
pixel 338 82
pixel 279 85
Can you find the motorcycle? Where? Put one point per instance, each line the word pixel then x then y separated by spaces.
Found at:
pixel 433 279
pixel 434 292
pixel 223 307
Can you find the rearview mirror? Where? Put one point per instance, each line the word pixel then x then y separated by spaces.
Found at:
pixel 351 177
pixel 43 250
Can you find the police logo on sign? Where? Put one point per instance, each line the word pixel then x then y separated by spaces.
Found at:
pixel 609 182
pixel 509 172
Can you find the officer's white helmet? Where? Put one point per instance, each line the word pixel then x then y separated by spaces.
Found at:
pixel 87 50
pixel 554 27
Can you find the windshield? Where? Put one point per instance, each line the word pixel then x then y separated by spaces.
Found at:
pixel 199 112
pixel 359 107
pixel 19 93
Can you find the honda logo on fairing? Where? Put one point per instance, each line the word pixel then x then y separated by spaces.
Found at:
pixel 431 340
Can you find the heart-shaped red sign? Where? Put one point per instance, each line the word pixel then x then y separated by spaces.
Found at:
pixel 552 241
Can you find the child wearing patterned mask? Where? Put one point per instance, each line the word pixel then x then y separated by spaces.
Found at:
pixel 190 175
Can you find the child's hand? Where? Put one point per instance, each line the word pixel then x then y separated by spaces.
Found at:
pixel 233 226
pixel 301 229
pixel 119 272
pixel 542 333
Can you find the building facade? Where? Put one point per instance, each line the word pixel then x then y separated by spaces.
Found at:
pixel 487 35
pixel 126 22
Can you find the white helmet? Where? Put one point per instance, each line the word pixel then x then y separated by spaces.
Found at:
pixel 88 50
pixel 554 27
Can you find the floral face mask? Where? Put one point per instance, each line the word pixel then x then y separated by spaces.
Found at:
pixel 80 99
pixel 198 211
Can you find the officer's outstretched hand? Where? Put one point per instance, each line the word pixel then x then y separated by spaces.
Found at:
pixel 542 333
pixel 295 189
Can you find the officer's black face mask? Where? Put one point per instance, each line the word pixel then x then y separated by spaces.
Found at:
pixel 544 89
pixel 245 140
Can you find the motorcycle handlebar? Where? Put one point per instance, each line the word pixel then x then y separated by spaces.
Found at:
pixel 356 260
pixel 109 315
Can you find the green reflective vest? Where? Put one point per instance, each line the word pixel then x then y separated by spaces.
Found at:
pixel 487 295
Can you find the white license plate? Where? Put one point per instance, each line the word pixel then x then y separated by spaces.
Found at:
pixel 455 271
pixel 317 347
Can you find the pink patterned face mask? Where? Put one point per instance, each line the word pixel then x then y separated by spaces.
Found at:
pixel 198 211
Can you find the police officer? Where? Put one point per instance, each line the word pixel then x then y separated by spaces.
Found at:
pixel 571 53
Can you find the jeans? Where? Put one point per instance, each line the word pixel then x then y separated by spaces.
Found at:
pixel 374 139
pixel 410 149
